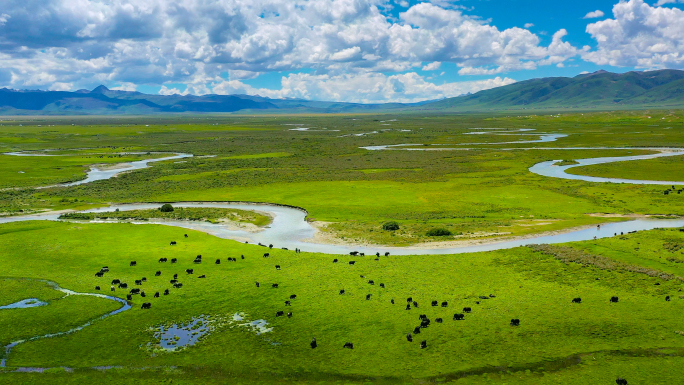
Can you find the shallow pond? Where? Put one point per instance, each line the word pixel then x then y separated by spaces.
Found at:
pixel 176 336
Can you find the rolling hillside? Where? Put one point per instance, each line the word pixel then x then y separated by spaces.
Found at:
pixel 599 90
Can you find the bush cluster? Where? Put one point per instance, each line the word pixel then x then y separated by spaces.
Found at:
pixel 438 232
pixel 390 226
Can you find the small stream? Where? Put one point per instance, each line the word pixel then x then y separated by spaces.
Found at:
pixel 96 173
pixel 126 306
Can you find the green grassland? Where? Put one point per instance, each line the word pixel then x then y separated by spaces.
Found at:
pixel 214 215
pixel 483 192
pixel 36 171
pixel 665 168
pixel 528 285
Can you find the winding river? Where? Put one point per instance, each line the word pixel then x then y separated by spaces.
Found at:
pixel 289 228
pixel 95 173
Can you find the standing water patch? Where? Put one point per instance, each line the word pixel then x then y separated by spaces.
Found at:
pixel 176 336
pixel 27 303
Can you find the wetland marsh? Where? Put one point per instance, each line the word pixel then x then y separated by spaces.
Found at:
pixel 323 191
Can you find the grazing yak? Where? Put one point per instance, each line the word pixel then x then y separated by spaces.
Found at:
pixel 135 291
pixel 352 262
pixel 133 263
pixel 438 320
pixel 409 299
pixel 166 292
pixel 174 260
pixel 445 304
pixel 275 285
pixel 349 345
pixel 342 291
pixel 99 274
pixel 289 315
pixel 257 284
pixel 515 322
pixel 277 267
pixel 287 303
pixel 280 313
pixel 371 282
pixel 138 282
pixel 97 288
pixel 335 260
pixel 368 296
pixel 392 301
pixel 105 269
pixel 434 303
pixel 423 344
pixel 667 298
pixel 123 285
pixel 467 310
pixel 129 297
pixel 382 285
pixel 354 253
pixel 142 294
pixel 113 289
pixel 266 255
pixel 293 296
pixel 409 337
pixel 577 300
pixel 387 254
pixel 189 271
pixel 116 281
pixel 158 273
pixel 415 304
pixel 156 295
pixel 314 345
pixel 408 306
pixel 146 305
pixel 218 262
pixel 178 285
pixel 143 279
pixel 162 260
pixel 458 317
pixel 416 330
pixel 173 243
pixel 614 299
pixel 202 276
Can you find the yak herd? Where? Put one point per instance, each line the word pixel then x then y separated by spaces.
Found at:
pixel 425 322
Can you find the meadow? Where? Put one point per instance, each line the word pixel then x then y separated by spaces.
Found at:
pixel 482 192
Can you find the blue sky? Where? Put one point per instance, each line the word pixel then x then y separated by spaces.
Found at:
pixel 343 50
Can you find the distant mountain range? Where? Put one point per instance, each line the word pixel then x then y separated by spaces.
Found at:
pixel 599 91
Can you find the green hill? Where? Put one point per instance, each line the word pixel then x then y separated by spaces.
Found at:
pixel 600 90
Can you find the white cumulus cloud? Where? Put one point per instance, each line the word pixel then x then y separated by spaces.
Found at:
pixel 362 88
pixel 196 42
pixel 594 15
pixel 639 35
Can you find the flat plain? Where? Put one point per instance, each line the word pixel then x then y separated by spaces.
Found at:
pixel 473 180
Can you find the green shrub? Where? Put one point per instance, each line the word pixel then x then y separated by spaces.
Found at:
pixel 390 226
pixel 438 232
pixel 166 208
